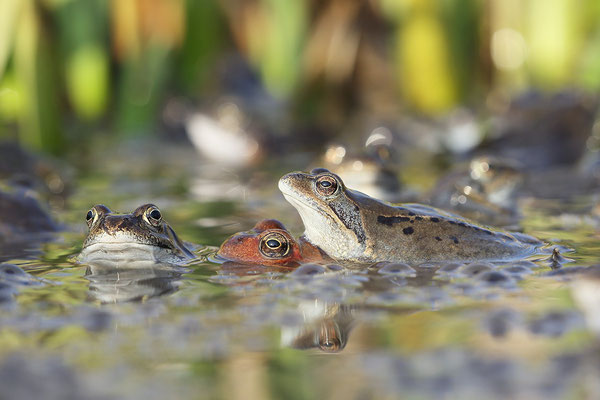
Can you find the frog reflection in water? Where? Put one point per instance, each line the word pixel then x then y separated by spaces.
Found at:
pixel 326 326
pixel 352 226
pixel 135 281
pixel 142 235
pixel 269 243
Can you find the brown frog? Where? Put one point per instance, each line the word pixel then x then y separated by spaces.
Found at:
pixel 269 243
pixel 349 225
pixel 142 235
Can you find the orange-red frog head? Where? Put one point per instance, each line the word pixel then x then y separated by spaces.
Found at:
pixel 269 243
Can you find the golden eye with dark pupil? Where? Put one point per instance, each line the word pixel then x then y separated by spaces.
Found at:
pixel 274 245
pixel 326 185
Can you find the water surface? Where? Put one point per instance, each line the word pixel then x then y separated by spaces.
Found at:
pixel 212 330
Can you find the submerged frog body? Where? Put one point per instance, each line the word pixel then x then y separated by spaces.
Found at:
pixel 269 243
pixel 352 226
pixel 142 235
pixel 24 224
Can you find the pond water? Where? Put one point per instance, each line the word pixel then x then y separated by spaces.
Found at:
pixel 211 330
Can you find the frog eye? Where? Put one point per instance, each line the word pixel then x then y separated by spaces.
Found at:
pixel 329 337
pixel 153 216
pixel 330 345
pixel 326 185
pixel 274 245
pixel 91 216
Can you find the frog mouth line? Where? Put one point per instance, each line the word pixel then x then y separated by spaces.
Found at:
pixel 124 252
pixel 122 246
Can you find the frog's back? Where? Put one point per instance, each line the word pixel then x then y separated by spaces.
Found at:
pixel 418 233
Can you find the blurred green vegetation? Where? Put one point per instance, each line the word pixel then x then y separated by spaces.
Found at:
pixel 70 69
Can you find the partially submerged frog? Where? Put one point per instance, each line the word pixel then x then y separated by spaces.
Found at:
pixel 142 235
pixel 351 226
pixel 24 224
pixel 21 214
pixel 11 278
pixel 487 190
pixel 543 131
pixel 269 243
pixel 21 168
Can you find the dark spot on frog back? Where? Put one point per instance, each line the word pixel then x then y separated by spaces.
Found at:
pixel 408 231
pixel 390 221
pixel 478 229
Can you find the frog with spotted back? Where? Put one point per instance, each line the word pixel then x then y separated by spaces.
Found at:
pixel 142 235
pixel 269 243
pixel 351 226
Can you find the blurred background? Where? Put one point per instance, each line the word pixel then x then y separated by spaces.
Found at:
pixel 72 71
pixel 389 94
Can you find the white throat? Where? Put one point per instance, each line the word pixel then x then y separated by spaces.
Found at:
pixel 327 233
